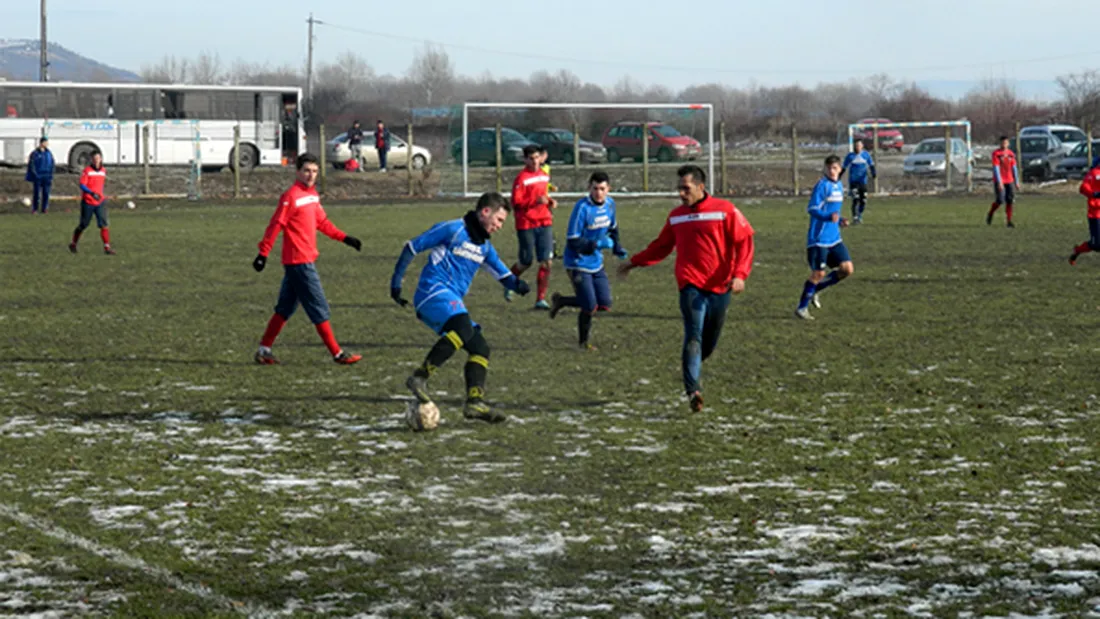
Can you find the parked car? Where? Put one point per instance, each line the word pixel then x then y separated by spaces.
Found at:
pixel 1040 155
pixel 1067 136
pixel 339 152
pixel 559 145
pixel 481 146
pixel 929 158
pixel 624 140
pixel 888 138
pixel 1077 162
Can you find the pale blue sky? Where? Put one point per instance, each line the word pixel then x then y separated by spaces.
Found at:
pixel 730 41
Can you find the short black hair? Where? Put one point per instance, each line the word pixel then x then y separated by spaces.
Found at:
pixel 857 141
pixel 95 151
pixel 531 149
pixel 695 172
pixel 379 122
pixel 305 158
pixel 542 148
pixel 493 200
pixel 599 176
pixel 1002 138
pixel 43 140
pixel 831 159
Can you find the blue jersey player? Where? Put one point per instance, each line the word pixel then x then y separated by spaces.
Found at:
pixel 860 163
pixel 824 247
pixel 457 250
pixel 592 227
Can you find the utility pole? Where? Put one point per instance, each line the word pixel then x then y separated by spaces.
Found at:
pixel 44 58
pixel 309 66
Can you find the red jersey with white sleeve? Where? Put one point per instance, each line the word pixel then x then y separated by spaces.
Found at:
pixel 526 190
pixel 1090 187
pixel 1004 166
pixel 713 243
pixel 299 216
pixel 94 180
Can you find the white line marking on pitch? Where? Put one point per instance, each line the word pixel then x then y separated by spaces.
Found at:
pixel 126 560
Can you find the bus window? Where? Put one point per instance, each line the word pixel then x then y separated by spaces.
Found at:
pixel 196 105
pixel 92 103
pixel 133 104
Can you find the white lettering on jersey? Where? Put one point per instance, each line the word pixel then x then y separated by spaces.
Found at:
pixel 600 222
pixel 469 251
pixel 304 200
pixel 536 179
pixel 710 216
pixel 837 195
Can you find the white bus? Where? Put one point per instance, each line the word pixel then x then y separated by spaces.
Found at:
pixel 185 123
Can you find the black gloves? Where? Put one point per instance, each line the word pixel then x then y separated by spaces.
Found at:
pixel 395 294
pixel 353 242
pixel 259 263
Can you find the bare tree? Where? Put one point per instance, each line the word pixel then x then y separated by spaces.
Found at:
pixel 1081 96
pixel 207 69
pixel 433 71
pixel 168 70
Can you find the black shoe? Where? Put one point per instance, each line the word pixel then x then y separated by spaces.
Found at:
pixel 1011 225
pixel 555 305
pixel 1073 259
pixel 989 219
pixel 477 409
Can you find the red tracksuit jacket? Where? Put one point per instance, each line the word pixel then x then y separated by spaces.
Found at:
pixel 527 188
pixel 1089 186
pixel 95 180
pixel 299 216
pixel 713 243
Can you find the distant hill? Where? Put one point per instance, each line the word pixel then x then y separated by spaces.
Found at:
pixel 19 60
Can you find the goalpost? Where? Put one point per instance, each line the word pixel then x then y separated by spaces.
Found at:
pixel 697 107
pixel 946 124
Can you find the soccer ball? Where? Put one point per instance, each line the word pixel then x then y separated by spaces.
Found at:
pixel 131 205
pixel 26 201
pixel 422 417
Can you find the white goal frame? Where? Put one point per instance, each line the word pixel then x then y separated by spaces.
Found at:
pixel 709 108
pixel 947 124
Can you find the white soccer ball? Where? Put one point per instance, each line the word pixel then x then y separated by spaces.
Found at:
pixel 422 417
pixel 131 205
pixel 26 201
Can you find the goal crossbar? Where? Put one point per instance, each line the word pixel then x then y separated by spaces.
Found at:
pixel 466 107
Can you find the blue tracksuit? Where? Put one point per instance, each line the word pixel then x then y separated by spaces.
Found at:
pixel 858 165
pixel 40 172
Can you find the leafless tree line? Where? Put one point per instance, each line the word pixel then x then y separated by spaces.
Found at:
pixel 349 87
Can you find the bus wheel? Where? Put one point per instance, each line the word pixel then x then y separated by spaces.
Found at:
pixel 249 158
pixel 80 156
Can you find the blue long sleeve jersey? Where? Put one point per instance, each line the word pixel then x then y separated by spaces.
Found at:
pixel 859 164
pixel 589 225
pixel 40 165
pixel 454 260
pixel 826 200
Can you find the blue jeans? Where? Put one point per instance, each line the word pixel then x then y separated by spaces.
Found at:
pixel 704 314
pixel 41 194
pixel 382 158
pixel 301 284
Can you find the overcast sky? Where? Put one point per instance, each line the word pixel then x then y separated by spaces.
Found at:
pixel 729 41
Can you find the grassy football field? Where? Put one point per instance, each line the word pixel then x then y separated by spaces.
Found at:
pixel 927 447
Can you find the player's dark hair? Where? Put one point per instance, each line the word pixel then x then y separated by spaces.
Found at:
pixel 43 140
pixel 530 149
pixel 599 176
pixel 493 200
pixel 698 176
pixel 831 159
pixel 95 151
pixel 857 141
pixel 1002 138
pixel 305 158
pixel 542 148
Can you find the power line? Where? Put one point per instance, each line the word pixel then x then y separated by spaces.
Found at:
pixel 679 68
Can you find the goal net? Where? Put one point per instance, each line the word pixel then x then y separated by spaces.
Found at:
pixel 921 157
pixel 486 148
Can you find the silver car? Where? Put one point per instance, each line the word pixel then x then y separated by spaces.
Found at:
pixel 928 158
pixel 398 156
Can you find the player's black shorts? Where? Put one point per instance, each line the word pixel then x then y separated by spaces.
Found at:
pixel 821 258
pixel 1008 196
pixel 857 191
pixel 87 211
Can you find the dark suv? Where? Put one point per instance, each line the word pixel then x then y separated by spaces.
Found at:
pixel 482 146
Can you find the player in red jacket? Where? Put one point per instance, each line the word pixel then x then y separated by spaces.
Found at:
pixel 1090 188
pixel 714 250
pixel 534 209
pixel 93 202
pixel 299 216
pixel 1006 176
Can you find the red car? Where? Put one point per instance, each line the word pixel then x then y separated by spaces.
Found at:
pixel 887 138
pixel 624 139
